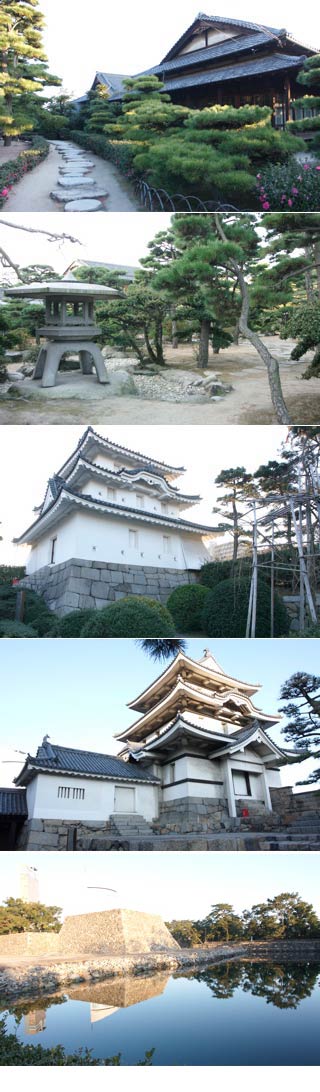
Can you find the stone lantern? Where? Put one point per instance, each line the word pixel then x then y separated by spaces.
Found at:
pixel 69 325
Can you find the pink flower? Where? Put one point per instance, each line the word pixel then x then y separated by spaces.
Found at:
pixel 317 168
pixel 290 203
pixel 258 175
pixel 266 205
pixel 306 166
pixel 4 193
pixel 294 191
pixel 299 179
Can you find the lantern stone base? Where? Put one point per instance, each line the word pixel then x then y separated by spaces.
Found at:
pixel 78 584
pixel 51 354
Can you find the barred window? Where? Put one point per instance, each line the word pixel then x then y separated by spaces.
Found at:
pixel 78 794
pixel 64 792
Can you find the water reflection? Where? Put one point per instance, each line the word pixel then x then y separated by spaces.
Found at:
pixel 284 985
pixel 186 1017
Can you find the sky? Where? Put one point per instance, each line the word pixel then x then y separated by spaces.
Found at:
pixel 141 34
pixel 77 691
pixel 175 885
pixel 98 238
pixel 31 454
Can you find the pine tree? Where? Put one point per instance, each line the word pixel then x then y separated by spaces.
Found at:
pixel 309 103
pixel 293 244
pixel 301 694
pixel 239 486
pixel 23 66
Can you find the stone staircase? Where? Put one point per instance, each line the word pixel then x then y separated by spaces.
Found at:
pixel 127 827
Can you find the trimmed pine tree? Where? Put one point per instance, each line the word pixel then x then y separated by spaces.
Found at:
pixel 23 66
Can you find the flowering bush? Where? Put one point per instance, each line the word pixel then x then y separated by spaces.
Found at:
pixel 14 169
pixel 289 186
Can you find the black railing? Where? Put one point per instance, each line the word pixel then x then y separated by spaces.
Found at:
pixel 154 199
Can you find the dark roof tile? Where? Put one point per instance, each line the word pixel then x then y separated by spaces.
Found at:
pixel 58 759
pixel 13 802
pixel 274 63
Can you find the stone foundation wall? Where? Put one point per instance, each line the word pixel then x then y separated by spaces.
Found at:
pixel 55 834
pixel 192 815
pixel 78 584
pixel 292 806
pixel 292 603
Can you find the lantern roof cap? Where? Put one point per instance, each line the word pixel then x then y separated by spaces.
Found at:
pixel 69 289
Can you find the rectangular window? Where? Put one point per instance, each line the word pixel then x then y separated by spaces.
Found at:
pixel 171 772
pixel 111 494
pixel 133 540
pixel 166 544
pixel 241 783
pixel 140 501
pixel 52 550
pixel 78 794
pixel 64 792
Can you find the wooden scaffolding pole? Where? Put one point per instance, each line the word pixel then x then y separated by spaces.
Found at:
pixel 303 567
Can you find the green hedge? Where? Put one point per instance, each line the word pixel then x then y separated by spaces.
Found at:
pixel 11 572
pixel 226 608
pixel 121 153
pixel 132 616
pixel 16 629
pixel 71 625
pixel 36 612
pixel 15 169
pixel 186 606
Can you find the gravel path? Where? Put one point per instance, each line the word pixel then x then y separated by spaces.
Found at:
pixel 32 193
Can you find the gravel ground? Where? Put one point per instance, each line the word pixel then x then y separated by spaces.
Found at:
pixel 76 400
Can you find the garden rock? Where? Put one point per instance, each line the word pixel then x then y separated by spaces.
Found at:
pixel 84 204
pixel 121 383
pixel 76 180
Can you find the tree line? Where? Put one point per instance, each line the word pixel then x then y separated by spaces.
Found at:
pixel 285 917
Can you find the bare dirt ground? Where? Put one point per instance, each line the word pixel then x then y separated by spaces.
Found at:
pixel 80 398
pixel 32 193
pixel 12 151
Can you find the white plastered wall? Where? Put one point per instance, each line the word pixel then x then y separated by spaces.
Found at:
pixel 198 777
pixel 99 800
pixel 121 494
pixel 93 537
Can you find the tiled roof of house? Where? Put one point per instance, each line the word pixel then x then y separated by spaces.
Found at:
pixel 275 62
pixel 91 433
pixel 141 514
pixel 13 802
pixel 213 52
pixel 69 760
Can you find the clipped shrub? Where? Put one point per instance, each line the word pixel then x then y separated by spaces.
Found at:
pixel 119 152
pixel 212 572
pixel 36 612
pixel 131 616
pixel 16 629
pixel 72 624
pixel 11 572
pixel 186 606
pixel 226 608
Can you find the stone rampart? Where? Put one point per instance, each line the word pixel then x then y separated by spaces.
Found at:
pixel 78 584
pixel 292 806
pixel 114 931
pixel 20 945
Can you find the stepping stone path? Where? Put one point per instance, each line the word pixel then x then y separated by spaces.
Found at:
pixel 82 205
pixel 81 191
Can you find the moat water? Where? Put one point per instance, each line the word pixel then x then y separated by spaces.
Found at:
pixel 244 1013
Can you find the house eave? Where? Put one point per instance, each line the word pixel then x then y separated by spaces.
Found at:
pixel 57 511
